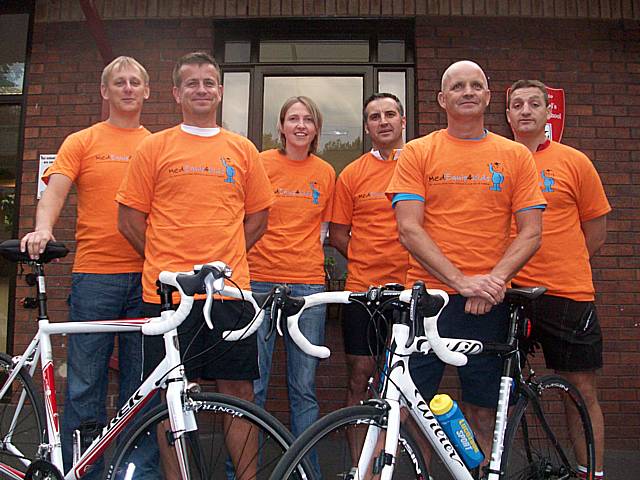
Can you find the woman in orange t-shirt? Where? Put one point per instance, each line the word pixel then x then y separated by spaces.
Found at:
pixel 291 251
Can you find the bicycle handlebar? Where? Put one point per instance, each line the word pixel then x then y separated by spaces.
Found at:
pixel 208 279
pixel 428 303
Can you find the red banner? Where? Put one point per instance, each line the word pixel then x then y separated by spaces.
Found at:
pixel 555 125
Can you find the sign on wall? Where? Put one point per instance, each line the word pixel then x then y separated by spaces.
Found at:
pixel 555 126
pixel 46 160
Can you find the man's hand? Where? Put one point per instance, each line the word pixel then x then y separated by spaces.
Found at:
pixel 477 306
pixel 488 288
pixel 34 243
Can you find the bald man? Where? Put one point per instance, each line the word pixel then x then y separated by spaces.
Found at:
pixel 454 192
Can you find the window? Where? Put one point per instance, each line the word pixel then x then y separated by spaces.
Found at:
pixel 265 62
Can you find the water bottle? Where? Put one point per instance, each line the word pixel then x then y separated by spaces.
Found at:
pixel 457 429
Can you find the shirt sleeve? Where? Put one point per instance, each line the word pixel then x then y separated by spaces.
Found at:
pixel 343 200
pixel 259 193
pixel 138 185
pixel 68 160
pixel 331 186
pixel 408 176
pixel 592 201
pixel 526 191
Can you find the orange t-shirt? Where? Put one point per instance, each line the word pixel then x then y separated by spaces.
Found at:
pixel 574 194
pixel 96 160
pixel 196 192
pixel 375 254
pixel 290 250
pixel 471 189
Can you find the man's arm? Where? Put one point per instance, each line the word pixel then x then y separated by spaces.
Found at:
pixel 47 213
pixel 595 233
pixel 255 224
pixel 339 237
pixel 523 247
pixel 409 215
pixel 132 224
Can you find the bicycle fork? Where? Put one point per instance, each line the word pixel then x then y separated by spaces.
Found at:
pixel 182 420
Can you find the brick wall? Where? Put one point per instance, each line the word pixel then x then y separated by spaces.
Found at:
pixel 596 62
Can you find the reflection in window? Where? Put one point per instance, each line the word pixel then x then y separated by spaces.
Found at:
pixel 391 51
pixel 237 52
pixel 235 102
pixel 394 82
pixel 340 102
pixel 13 48
pixel 9 137
pixel 315 51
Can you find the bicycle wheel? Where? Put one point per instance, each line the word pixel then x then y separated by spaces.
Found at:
pixel 22 424
pixel 260 441
pixel 541 441
pixel 327 438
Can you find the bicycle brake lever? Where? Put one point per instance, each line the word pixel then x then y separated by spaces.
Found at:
pixel 278 323
pixel 208 286
pixel 213 284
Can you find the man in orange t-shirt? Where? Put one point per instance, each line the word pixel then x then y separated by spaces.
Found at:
pixel 564 319
pixel 363 228
pixel 193 194
pixel 106 271
pixel 455 192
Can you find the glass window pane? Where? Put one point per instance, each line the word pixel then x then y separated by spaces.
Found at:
pixel 9 136
pixel 391 51
pixel 315 51
pixel 394 82
pixel 340 102
pixel 237 52
pixel 13 48
pixel 235 102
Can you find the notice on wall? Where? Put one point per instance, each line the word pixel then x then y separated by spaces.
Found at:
pixel 46 160
pixel 555 124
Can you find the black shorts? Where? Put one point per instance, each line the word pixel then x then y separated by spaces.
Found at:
pixel 362 334
pixel 225 360
pixel 568 331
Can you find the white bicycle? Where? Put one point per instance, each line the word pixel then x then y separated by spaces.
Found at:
pixel 194 424
pixel 533 442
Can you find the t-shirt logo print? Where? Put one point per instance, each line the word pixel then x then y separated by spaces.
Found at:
pixel 229 171
pixel 496 176
pixel 547 180
pixel 315 193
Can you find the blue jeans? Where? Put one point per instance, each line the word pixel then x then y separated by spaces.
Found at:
pixel 301 368
pixel 99 297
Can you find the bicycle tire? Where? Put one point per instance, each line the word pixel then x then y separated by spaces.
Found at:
pixel 538 445
pixel 208 454
pixel 327 437
pixel 21 431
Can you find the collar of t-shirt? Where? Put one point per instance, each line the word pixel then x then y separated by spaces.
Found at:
pixel 199 131
pixel 485 132
pixel 544 145
pixel 378 155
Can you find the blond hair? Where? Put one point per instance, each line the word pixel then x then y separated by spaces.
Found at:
pixel 120 63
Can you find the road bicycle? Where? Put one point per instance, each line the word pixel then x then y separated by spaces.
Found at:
pixel 531 442
pixel 194 424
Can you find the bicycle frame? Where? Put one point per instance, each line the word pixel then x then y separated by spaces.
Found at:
pixel 170 368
